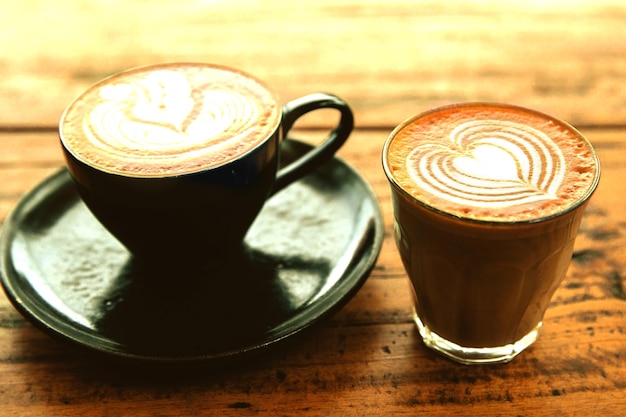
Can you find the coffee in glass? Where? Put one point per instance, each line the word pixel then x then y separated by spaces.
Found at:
pixel 487 199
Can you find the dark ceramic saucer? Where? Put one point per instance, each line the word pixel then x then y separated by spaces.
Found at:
pixel 309 251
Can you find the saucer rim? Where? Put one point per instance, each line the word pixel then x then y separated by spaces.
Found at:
pixel 330 302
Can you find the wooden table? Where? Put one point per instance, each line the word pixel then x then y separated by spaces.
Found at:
pixel 389 60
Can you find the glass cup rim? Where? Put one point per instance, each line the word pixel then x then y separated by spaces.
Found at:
pixel 570 208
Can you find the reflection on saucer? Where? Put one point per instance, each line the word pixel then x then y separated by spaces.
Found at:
pixel 198 312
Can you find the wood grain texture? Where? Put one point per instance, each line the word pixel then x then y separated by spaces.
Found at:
pixel 389 60
pixel 366 359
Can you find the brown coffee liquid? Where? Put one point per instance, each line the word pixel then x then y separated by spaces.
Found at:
pixel 170 119
pixel 491 162
pixel 487 200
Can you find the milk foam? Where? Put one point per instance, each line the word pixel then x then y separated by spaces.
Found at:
pixel 169 120
pixel 492 164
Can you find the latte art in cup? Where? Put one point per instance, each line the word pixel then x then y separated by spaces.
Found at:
pixel 177 160
pixel 170 120
pixel 500 165
pixel 488 164
pixel 487 201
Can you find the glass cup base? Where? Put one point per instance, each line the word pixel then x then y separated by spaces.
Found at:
pixel 474 355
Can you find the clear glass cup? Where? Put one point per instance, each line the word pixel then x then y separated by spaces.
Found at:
pixel 482 287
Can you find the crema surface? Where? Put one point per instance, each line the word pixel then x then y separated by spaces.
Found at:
pixel 169 120
pixel 492 162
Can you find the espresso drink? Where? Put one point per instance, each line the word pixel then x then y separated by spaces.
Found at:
pixel 488 200
pixel 176 160
pixel 169 120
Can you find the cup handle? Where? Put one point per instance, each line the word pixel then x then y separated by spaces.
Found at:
pixel 304 165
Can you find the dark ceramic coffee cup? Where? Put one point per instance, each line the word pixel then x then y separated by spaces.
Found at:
pixel 198 208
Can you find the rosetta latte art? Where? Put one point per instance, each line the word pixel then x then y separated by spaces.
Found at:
pixel 161 115
pixel 490 164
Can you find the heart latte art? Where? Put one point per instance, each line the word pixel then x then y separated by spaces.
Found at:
pixel 491 162
pixel 169 120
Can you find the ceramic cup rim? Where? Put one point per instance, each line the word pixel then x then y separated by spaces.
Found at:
pixel 275 128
